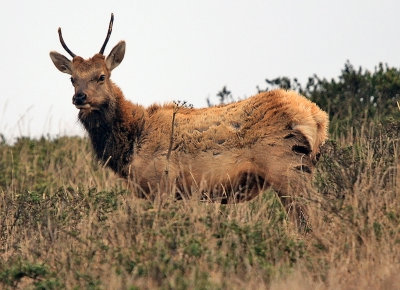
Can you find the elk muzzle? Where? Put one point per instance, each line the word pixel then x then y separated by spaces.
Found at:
pixel 79 100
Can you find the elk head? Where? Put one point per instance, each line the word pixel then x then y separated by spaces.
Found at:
pixel 90 77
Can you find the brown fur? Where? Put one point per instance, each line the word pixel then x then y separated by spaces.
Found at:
pixel 224 153
pixel 235 151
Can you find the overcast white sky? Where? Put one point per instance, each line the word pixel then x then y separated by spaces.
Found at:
pixel 182 50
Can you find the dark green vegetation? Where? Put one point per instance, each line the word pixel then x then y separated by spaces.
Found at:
pixel 66 222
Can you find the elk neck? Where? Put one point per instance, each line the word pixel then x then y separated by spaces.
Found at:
pixel 115 131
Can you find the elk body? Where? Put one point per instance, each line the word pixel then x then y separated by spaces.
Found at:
pixel 225 153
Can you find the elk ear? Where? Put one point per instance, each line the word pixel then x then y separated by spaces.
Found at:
pixel 116 55
pixel 62 63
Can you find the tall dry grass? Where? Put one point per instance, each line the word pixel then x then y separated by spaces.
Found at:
pixel 66 222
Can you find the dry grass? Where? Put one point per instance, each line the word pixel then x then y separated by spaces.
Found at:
pixel 66 222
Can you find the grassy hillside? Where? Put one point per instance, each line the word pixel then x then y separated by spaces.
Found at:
pixel 66 222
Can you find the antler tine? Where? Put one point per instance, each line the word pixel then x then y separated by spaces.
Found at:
pixel 64 45
pixel 108 34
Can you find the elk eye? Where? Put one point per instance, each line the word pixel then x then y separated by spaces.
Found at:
pixel 101 78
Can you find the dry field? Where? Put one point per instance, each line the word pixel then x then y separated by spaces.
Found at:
pixel 66 222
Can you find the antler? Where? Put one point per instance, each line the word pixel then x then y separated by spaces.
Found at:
pixel 64 45
pixel 108 34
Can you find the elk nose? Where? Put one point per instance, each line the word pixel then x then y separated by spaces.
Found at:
pixel 79 99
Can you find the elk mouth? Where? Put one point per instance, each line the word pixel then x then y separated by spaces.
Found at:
pixel 85 106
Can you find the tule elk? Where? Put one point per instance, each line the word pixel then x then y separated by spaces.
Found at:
pixel 225 153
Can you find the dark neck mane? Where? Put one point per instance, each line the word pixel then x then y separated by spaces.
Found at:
pixel 114 131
